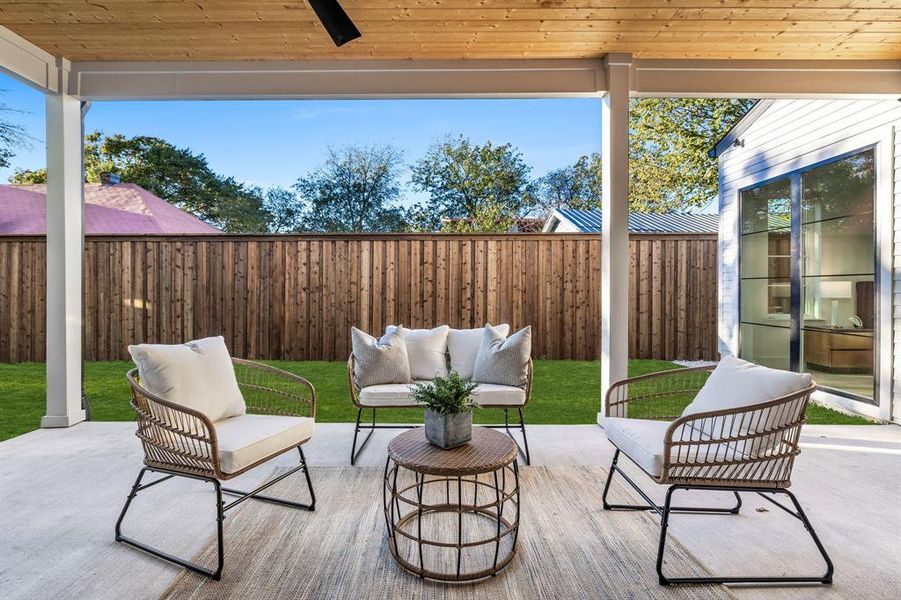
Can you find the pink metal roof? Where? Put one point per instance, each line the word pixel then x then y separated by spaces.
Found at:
pixel 123 208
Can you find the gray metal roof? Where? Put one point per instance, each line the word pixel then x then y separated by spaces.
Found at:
pixel 589 221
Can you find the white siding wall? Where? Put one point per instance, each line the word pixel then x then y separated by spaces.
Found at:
pixel 896 303
pixel 792 134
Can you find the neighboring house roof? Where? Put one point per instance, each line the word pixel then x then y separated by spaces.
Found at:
pixel 589 221
pixel 123 208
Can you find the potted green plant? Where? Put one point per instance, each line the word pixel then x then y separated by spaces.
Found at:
pixel 448 415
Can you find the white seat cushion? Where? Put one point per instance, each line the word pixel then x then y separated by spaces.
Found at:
pixel 495 394
pixel 400 395
pixel 198 375
pixel 642 441
pixel 248 439
pixel 639 439
pixel 388 394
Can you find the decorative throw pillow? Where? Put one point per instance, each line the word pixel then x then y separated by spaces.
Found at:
pixel 504 360
pixel 378 361
pixel 426 350
pixel 198 375
pixel 463 345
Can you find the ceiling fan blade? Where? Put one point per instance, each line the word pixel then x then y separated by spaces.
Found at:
pixel 335 20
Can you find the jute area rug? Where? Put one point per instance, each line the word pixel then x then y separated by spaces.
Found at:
pixel 568 546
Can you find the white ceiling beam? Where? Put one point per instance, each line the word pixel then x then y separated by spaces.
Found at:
pixel 29 63
pixel 338 79
pixel 526 78
pixel 768 78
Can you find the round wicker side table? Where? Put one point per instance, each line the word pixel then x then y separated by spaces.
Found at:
pixel 452 515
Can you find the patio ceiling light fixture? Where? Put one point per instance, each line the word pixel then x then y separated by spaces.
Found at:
pixel 335 20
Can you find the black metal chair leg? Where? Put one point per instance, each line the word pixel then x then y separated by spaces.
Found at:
pixel 661 546
pixel 827 576
pixel 825 579
pixel 306 472
pixel 522 428
pixel 525 439
pixel 255 494
pixel 354 452
pixel 353 448
pixel 610 472
pixel 220 518
pixel 131 496
pixel 221 507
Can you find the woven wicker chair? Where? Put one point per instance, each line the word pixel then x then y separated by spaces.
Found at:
pixel 180 442
pixel 361 406
pixel 746 449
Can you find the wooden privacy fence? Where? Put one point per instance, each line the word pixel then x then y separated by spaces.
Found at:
pixel 296 297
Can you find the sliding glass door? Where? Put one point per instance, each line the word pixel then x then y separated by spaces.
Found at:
pixel 808 274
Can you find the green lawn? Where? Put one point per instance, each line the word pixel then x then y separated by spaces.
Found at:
pixel 563 391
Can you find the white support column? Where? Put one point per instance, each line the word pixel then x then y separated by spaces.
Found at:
pixel 65 247
pixel 615 223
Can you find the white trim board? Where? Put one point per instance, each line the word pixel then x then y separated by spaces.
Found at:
pixel 768 78
pixel 340 79
pixel 525 78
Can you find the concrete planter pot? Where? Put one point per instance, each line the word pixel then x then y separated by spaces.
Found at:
pixel 448 431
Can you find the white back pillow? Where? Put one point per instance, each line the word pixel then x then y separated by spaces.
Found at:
pixel 463 345
pixel 426 350
pixel 736 382
pixel 198 375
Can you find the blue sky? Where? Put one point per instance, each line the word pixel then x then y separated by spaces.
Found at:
pixel 272 143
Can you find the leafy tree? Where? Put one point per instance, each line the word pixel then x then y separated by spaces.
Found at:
pixel 356 189
pixel 574 186
pixel 489 218
pixel 12 135
pixel 234 207
pixel 27 177
pixel 284 210
pixel 669 141
pixel 176 175
pixel 466 180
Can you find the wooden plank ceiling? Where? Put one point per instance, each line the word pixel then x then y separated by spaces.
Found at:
pixel 162 30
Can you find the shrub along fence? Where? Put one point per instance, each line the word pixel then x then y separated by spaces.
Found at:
pixel 295 297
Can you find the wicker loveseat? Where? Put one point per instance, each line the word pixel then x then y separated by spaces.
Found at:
pixel 181 442
pixel 398 395
pixel 737 448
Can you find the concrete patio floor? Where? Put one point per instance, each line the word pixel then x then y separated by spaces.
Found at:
pixel 61 490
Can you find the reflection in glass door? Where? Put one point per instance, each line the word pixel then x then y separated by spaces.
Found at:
pixel 766 274
pixel 838 271
pixel 807 284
